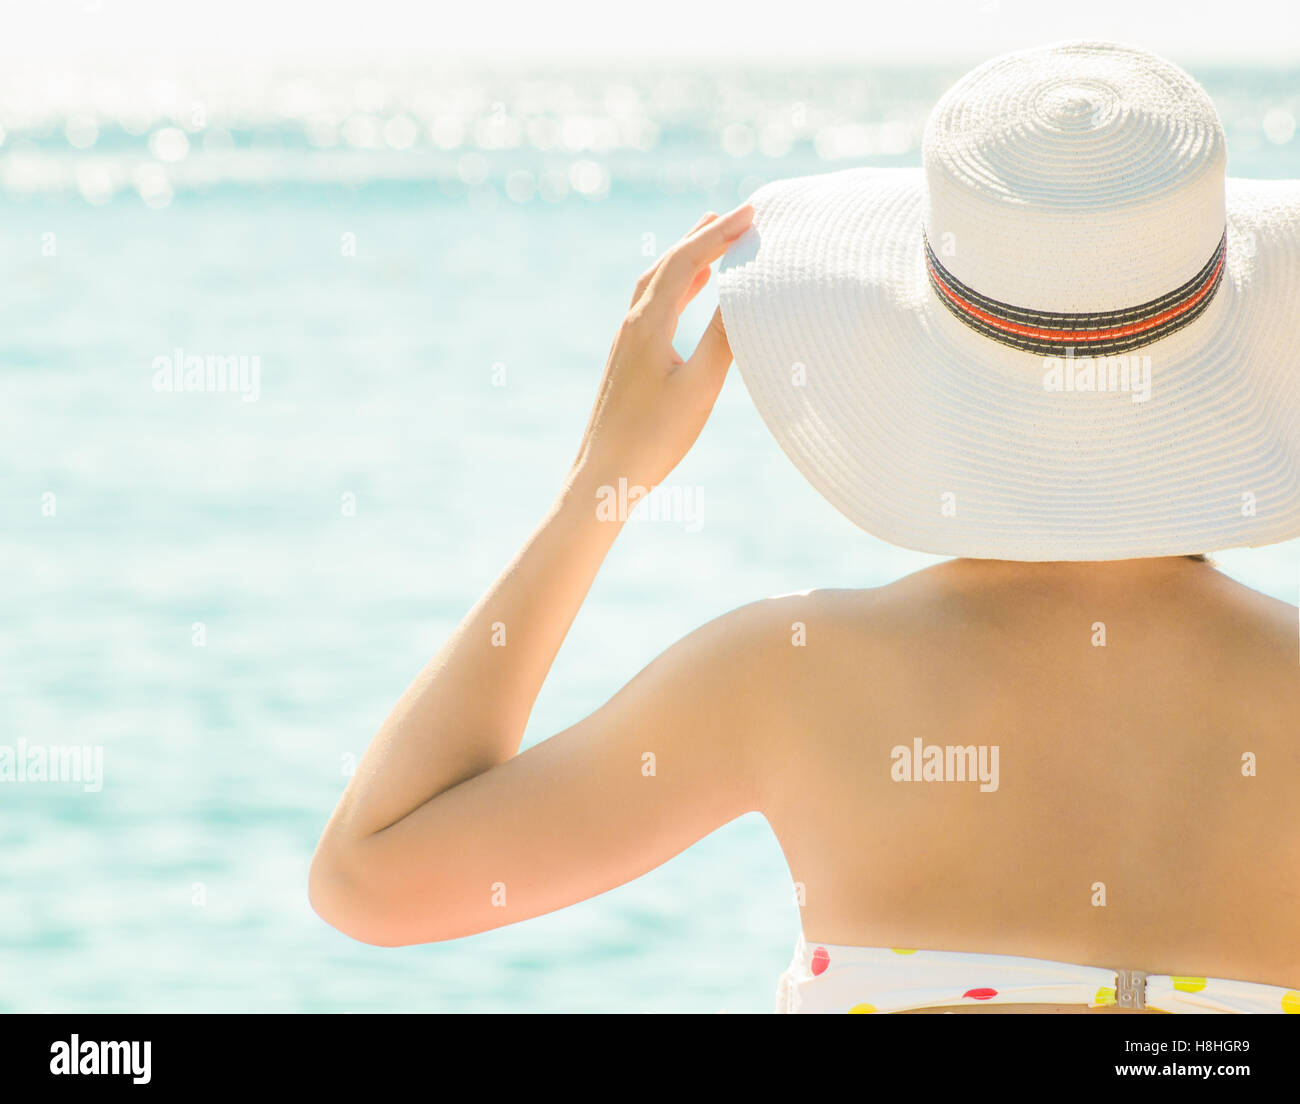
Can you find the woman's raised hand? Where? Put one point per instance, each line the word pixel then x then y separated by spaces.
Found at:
pixel 652 404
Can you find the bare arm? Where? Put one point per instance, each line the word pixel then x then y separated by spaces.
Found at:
pixel 445 829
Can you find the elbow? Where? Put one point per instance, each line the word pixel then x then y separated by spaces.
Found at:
pixel 348 901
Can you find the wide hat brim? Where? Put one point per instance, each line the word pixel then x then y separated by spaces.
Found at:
pixel 933 437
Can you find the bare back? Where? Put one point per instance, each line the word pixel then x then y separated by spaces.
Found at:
pixel 1147 767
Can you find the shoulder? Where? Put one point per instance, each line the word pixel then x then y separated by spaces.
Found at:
pixel 781 662
pixel 781 652
pixel 806 676
pixel 803 619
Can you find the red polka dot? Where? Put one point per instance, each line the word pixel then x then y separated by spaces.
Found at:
pixel 820 960
pixel 980 994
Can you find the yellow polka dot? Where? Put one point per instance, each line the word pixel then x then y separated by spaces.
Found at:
pixel 1291 1002
pixel 1188 984
pixel 902 950
pixel 862 1008
pixel 1105 995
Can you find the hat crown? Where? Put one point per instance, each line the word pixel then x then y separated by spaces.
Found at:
pixel 1077 177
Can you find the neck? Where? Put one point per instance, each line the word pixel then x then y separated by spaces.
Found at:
pixel 1100 572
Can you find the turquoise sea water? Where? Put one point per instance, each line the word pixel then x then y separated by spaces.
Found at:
pixel 226 596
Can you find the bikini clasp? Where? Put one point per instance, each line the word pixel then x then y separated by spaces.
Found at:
pixel 1131 988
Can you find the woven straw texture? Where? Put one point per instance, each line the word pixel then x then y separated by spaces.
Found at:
pixel 1074 178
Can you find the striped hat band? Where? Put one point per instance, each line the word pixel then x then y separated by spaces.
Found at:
pixel 1104 333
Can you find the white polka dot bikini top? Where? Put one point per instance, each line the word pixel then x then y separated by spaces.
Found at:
pixel 823 977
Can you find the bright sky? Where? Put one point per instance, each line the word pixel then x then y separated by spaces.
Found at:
pixel 1184 30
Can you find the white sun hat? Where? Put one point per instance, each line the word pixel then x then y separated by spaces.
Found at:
pixel 1065 337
